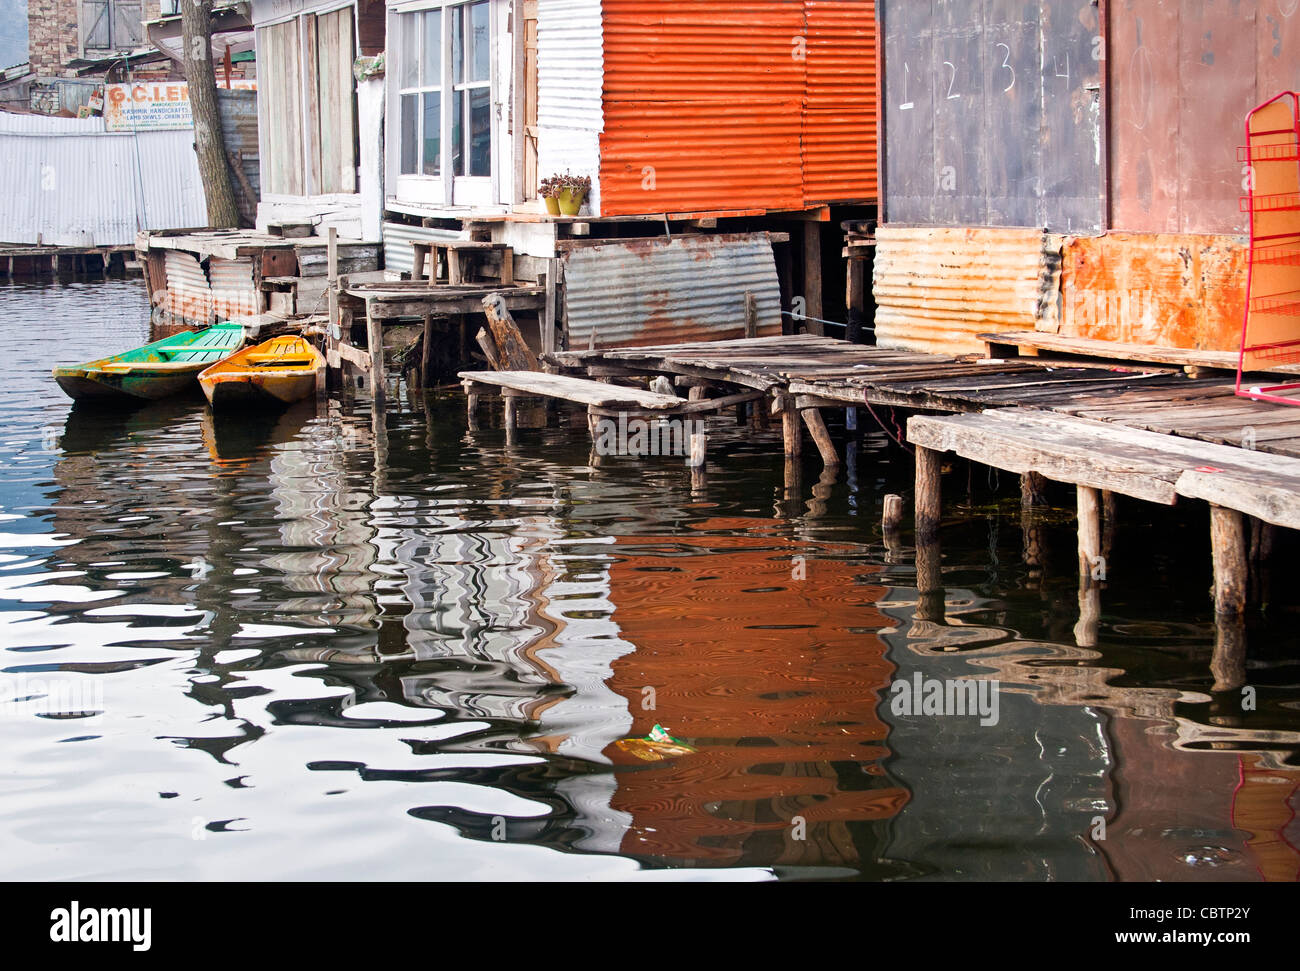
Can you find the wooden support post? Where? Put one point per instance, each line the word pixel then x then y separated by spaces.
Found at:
pixel 790 430
pixel 1033 490
pixel 515 354
pixel 929 494
pixel 511 418
pixel 751 315
pixel 812 275
pixel 812 417
pixel 1091 565
pixel 892 523
pixel 426 353
pixel 696 393
pixel 855 298
pixel 548 312
pixel 1228 662
pixel 697 459
pixel 931 600
pixel 332 329
pixel 1086 630
pixel 375 345
pixel 1228 539
pixel 489 349
pixel 471 404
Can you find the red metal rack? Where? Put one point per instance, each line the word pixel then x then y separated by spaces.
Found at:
pixel 1270 332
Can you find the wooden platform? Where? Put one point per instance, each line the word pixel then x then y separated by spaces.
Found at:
pixel 418 298
pixel 823 372
pixel 1009 345
pixel 1126 461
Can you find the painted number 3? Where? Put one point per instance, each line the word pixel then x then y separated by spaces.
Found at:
pixel 1006 63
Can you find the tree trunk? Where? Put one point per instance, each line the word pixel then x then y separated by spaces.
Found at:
pixel 214 169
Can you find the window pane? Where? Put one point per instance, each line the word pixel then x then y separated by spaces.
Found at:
pixel 458 43
pixel 433 134
pixel 481 62
pixel 480 144
pixel 410 134
pixel 432 49
pixel 408 65
pixel 457 133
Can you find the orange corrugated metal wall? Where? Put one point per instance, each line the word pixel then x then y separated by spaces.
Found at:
pixel 839 119
pixel 767 104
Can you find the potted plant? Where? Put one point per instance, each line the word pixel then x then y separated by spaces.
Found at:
pixel 549 190
pixel 573 193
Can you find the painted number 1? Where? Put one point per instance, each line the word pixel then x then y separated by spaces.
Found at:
pixel 907 74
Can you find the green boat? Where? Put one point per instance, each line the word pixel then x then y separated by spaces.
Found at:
pixel 154 371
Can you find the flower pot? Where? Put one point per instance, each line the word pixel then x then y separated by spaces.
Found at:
pixel 571 201
pixel 552 205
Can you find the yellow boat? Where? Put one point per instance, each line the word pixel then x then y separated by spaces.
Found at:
pixel 279 371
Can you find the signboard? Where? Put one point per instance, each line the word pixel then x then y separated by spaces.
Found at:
pixel 153 105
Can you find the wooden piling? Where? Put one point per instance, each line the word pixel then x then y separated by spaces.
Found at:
pixel 1228 662
pixel 892 523
pixel 332 329
pixel 1033 490
pixel 426 353
pixel 1228 541
pixel 929 493
pixel 790 430
pixel 812 417
pixel 1089 504
pixel 375 345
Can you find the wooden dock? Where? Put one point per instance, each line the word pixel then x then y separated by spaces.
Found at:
pixel 1152 432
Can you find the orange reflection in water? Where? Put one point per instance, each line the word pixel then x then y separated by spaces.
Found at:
pixel 772 669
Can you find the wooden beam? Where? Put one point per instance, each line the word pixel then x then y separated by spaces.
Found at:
pixel 489 349
pixel 791 433
pixel 426 353
pixel 751 315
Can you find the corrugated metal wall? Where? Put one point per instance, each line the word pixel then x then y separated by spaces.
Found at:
pixel 570 72
pixel 839 122
pixel 233 293
pixel 188 294
pixel 398 237
pixel 70 183
pixel 652 291
pixel 936 289
pixel 713 106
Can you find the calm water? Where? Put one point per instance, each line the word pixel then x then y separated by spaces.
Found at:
pixel 280 648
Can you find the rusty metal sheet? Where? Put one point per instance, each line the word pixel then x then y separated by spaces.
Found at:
pixel 992 114
pixel 231 284
pixel 1184 291
pixel 839 119
pixel 639 292
pixel 188 295
pixel 936 289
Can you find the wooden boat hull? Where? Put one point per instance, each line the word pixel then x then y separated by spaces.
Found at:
pixel 158 370
pixel 139 384
pixel 275 373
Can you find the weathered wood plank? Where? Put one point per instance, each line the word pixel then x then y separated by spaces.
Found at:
pixel 514 353
pixel 591 393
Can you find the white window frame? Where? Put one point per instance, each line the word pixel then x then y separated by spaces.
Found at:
pixel 445 189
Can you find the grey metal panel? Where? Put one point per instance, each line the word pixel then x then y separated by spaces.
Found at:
pixel 239 133
pixel 638 292
pixel 73 184
pixel 992 113
pixel 398 255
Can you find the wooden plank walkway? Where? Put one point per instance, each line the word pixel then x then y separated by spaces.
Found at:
pixel 823 372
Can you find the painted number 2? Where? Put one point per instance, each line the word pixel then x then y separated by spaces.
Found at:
pixel 1006 63
pixel 952 79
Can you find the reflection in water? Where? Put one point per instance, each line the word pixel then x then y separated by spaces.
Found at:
pixel 324 643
